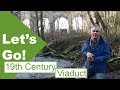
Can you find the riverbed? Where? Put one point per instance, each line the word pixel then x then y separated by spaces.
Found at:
pixel 61 63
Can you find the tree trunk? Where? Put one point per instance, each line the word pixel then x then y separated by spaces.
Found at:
pixel 96 19
pixel 37 27
pixel 42 29
pixel 52 27
pixel 102 23
pixel 90 17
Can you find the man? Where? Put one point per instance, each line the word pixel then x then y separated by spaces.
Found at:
pixel 97 52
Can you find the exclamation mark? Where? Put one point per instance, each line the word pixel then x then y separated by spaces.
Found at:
pixel 23 53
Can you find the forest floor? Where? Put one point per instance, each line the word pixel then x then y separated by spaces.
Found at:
pixel 113 75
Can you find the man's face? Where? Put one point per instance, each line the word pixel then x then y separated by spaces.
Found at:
pixel 95 32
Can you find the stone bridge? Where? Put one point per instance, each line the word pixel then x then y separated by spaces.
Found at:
pixel 52 16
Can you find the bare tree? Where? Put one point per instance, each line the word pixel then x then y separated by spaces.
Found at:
pixel 42 28
pixel 90 17
pixel 37 27
pixel 96 19
pixel 104 26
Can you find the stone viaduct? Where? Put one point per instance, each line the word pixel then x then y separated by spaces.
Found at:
pixel 54 15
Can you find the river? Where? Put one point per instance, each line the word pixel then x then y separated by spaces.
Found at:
pixel 61 63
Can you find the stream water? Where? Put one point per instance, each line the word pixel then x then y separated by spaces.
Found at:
pixel 61 63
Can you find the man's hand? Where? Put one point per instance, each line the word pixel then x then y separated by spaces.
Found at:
pixel 90 56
